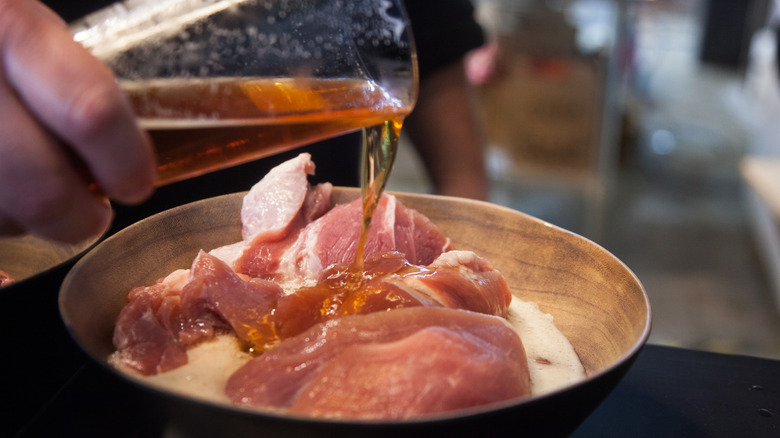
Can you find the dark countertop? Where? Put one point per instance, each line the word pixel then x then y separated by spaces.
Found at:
pixel 673 392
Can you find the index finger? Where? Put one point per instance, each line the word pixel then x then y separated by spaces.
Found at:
pixel 77 97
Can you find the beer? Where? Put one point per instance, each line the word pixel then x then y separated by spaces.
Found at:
pixel 199 126
pixel 380 144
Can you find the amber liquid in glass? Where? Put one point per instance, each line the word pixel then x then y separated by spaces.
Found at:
pixel 200 126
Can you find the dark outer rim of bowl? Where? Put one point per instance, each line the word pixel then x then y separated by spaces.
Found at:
pixel 73 259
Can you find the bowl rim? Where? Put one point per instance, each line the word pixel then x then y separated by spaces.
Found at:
pixel 85 246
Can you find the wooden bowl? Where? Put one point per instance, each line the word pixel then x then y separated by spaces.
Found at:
pixel 26 256
pixel 597 302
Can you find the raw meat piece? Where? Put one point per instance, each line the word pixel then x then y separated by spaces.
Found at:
pixel 333 239
pixel 266 239
pixel 417 237
pixel 216 297
pixel 341 291
pixel 463 280
pixel 271 204
pixel 349 367
pixel 5 279
pixel 185 308
pixel 144 340
pixel 456 279
pixel 291 237
pixel 261 256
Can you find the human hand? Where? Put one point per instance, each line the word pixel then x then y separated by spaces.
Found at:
pixel 64 124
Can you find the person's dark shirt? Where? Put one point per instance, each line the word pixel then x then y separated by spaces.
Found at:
pixel 444 31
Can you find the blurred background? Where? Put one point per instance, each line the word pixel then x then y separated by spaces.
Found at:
pixel 653 129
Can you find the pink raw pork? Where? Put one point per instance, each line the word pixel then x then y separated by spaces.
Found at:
pixel 283 199
pixel 462 280
pixel 187 307
pixel 333 239
pixel 5 279
pixel 456 279
pixel 400 364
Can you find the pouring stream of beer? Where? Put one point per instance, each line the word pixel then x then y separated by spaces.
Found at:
pixel 380 144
